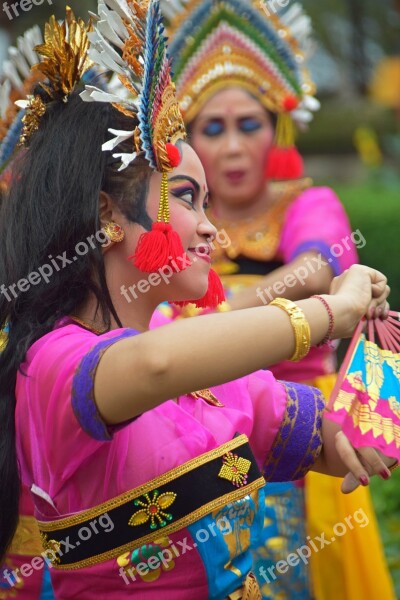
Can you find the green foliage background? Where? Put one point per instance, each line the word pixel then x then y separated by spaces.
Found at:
pixel 373 208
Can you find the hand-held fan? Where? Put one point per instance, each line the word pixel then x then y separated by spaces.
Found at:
pixel 365 401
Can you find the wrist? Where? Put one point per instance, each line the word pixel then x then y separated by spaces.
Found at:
pixel 331 319
pixel 342 315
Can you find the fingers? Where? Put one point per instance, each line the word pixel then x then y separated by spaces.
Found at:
pixel 350 459
pixel 379 312
pixel 379 307
pixel 361 463
pixel 349 484
pixel 380 291
pixel 373 462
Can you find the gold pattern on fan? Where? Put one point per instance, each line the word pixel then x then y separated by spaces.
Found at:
pixel 208 397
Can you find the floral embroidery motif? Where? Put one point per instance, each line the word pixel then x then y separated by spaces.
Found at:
pixel 235 469
pixel 52 547
pixel 130 560
pixel 153 508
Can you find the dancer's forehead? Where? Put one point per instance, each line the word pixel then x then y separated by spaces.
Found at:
pixel 190 169
pixel 231 102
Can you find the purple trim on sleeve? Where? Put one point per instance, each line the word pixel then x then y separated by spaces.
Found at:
pixel 325 251
pixel 298 442
pixel 83 403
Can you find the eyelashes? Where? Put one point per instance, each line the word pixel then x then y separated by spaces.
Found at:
pixel 187 194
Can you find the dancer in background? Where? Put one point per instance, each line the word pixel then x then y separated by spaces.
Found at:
pixel 17 82
pixel 243 84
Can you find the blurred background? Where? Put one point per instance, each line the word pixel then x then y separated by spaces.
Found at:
pixel 353 144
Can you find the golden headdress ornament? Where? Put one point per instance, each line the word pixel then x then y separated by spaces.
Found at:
pixel 129 40
pixel 65 60
pixel 244 43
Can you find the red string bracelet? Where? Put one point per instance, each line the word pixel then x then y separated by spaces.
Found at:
pixel 328 336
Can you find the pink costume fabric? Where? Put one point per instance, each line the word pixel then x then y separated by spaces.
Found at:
pixel 72 461
pixel 316 221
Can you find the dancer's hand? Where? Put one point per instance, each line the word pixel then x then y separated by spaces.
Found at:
pixel 360 291
pixel 362 463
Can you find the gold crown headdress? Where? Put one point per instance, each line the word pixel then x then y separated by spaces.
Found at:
pixel 129 40
pixel 220 43
pixel 65 60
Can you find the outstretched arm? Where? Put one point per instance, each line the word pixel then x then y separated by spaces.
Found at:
pixel 139 373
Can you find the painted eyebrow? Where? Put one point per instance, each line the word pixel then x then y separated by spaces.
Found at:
pixel 193 181
pixel 186 178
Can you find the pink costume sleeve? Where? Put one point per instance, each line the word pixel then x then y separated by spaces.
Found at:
pixel 66 401
pixel 317 221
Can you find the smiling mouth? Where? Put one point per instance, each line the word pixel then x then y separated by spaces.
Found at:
pixel 203 252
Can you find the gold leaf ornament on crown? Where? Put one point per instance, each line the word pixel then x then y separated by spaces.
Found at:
pixel 65 52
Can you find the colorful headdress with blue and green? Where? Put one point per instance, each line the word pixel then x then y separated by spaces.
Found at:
pixel 244 43
pixel 129 40
pixel 18 82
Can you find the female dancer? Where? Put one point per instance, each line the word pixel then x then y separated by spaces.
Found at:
pixel 179 499
pixel 242 82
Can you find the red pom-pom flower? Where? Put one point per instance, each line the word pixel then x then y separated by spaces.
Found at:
pixel 290 103
pixel 174 155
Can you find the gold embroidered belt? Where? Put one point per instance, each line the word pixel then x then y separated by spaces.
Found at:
pixel 164 505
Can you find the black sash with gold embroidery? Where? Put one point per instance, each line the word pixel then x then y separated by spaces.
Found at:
pixel 164 505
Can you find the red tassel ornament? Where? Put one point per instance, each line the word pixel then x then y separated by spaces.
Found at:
pixel 157 248
pixel 284 163
pixel 284 160
pixel 215 293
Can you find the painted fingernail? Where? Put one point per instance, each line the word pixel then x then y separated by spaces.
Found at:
pixel 371 313
pixel 364 480
pixel 384 474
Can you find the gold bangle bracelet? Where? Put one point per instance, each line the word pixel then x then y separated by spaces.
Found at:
pixel 300 326
pixel 394 467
